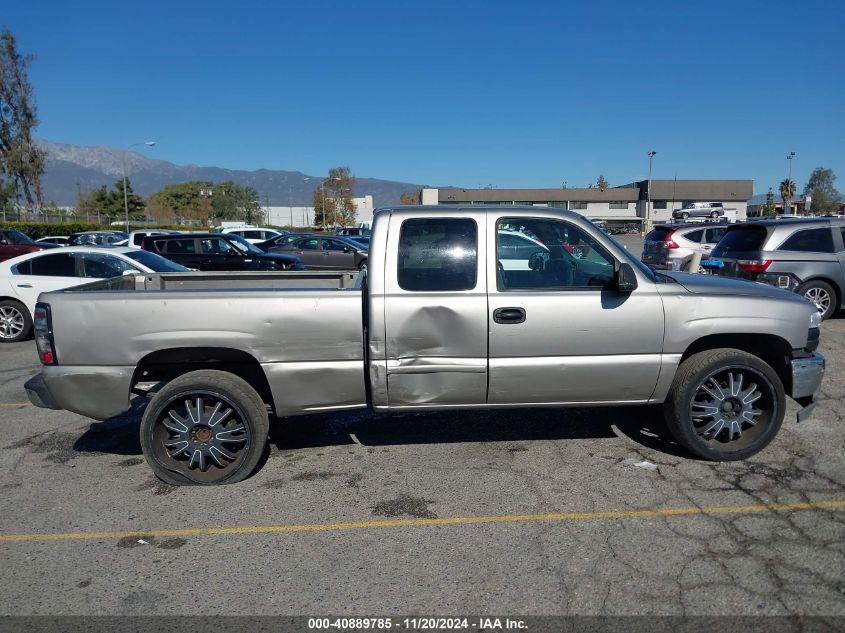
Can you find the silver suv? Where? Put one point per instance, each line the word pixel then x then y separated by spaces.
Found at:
pixel 806 256
pixel 699 210
pixel 671 246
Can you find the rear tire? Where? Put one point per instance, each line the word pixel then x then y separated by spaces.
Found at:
pixel 685 216
pixel 205 428
pixel 725 405
pixel 15 321
pixel 714 215
pixel 822 295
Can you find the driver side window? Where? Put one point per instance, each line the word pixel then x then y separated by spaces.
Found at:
pixel 545 254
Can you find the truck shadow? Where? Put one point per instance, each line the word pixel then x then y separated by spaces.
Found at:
pixel 643 425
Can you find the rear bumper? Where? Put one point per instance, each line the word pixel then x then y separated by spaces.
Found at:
pixel 807 375
pixel 38 394
pixel 95 392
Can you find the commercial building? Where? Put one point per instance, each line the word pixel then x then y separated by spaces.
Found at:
pixel 304 216
pixel 619 205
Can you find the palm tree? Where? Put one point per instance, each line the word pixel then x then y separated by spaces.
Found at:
pixel 787 192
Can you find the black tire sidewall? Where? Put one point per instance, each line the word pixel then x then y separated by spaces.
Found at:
pixel 216 382
pixel 827 288
pixel 27 321
pixel 686 385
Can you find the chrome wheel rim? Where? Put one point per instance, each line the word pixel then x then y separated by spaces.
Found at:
pixel 820 297
pixel 201 435
pixel 11 322
pixel 733 406
pixel 577 253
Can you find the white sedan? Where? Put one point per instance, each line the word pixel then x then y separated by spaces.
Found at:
pixel 23 278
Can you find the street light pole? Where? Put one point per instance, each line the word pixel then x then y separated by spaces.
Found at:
pixel 787 205
pixel 651 154
pixel 125 194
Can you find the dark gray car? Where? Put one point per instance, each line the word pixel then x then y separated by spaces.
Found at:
pixel 806 256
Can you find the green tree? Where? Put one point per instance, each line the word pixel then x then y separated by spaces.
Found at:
pixel 768 209
pixel 601 183
pixel 230 201
pixel 787 192
pixel 185 200
pixel 333 204
pixel 134 202
pixel 21 161
pixel 825 197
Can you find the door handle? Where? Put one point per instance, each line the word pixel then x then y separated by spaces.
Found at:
pixel 509 315
pixel 24 285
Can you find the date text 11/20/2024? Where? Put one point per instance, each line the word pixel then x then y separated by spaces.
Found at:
pixel 416 624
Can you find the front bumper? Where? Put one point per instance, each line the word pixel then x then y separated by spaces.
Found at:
pixel 807 374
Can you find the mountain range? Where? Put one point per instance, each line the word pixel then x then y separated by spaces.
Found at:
pixel 71 169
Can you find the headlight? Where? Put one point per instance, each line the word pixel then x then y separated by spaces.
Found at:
pixel 815 319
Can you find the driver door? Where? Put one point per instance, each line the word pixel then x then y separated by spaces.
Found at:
pixel 558 333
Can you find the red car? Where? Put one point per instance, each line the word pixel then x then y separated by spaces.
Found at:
pixel 14 243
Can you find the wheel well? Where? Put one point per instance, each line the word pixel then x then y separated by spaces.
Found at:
pixel 773 350
pixel 164 365
pixel 15 299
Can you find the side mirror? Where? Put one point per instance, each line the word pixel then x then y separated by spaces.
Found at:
pixel 3 242
pixel 131 272
pixel 346 249
pixel 626 278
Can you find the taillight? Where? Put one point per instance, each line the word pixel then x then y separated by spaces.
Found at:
pixel 43 329
pixel 754 265
pixel 670 243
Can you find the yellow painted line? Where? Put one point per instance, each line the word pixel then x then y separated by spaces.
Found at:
pixel 14 405
pixel 363 525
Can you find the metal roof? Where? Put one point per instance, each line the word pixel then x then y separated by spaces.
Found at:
pixel 700 190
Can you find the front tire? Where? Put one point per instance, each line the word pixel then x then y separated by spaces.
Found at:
pixel 15 321
pixel 822 295
pixel 205 428
pixel 725 405
pixel 714 215
pixel 685 216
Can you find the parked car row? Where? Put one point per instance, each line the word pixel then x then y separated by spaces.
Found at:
pixel 806 256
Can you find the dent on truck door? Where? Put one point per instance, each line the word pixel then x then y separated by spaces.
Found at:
pixel 557 334
pixel 435 311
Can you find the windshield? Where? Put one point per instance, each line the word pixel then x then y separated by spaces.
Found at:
pixel 156 263
pixel 242 245
pixel 16 237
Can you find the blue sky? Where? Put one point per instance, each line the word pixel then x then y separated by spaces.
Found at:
pixel 513 94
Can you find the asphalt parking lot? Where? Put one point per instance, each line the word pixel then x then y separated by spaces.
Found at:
pixel 518 512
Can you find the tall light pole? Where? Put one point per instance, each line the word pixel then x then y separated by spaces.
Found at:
pixel 651 154
pixel 125 194
pixel 787 204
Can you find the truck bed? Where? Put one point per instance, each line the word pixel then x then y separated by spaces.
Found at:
pixel 305 329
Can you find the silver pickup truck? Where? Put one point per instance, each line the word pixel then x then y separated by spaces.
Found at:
pixel 462 307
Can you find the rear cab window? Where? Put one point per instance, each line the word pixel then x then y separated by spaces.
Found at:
pixel 438 254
